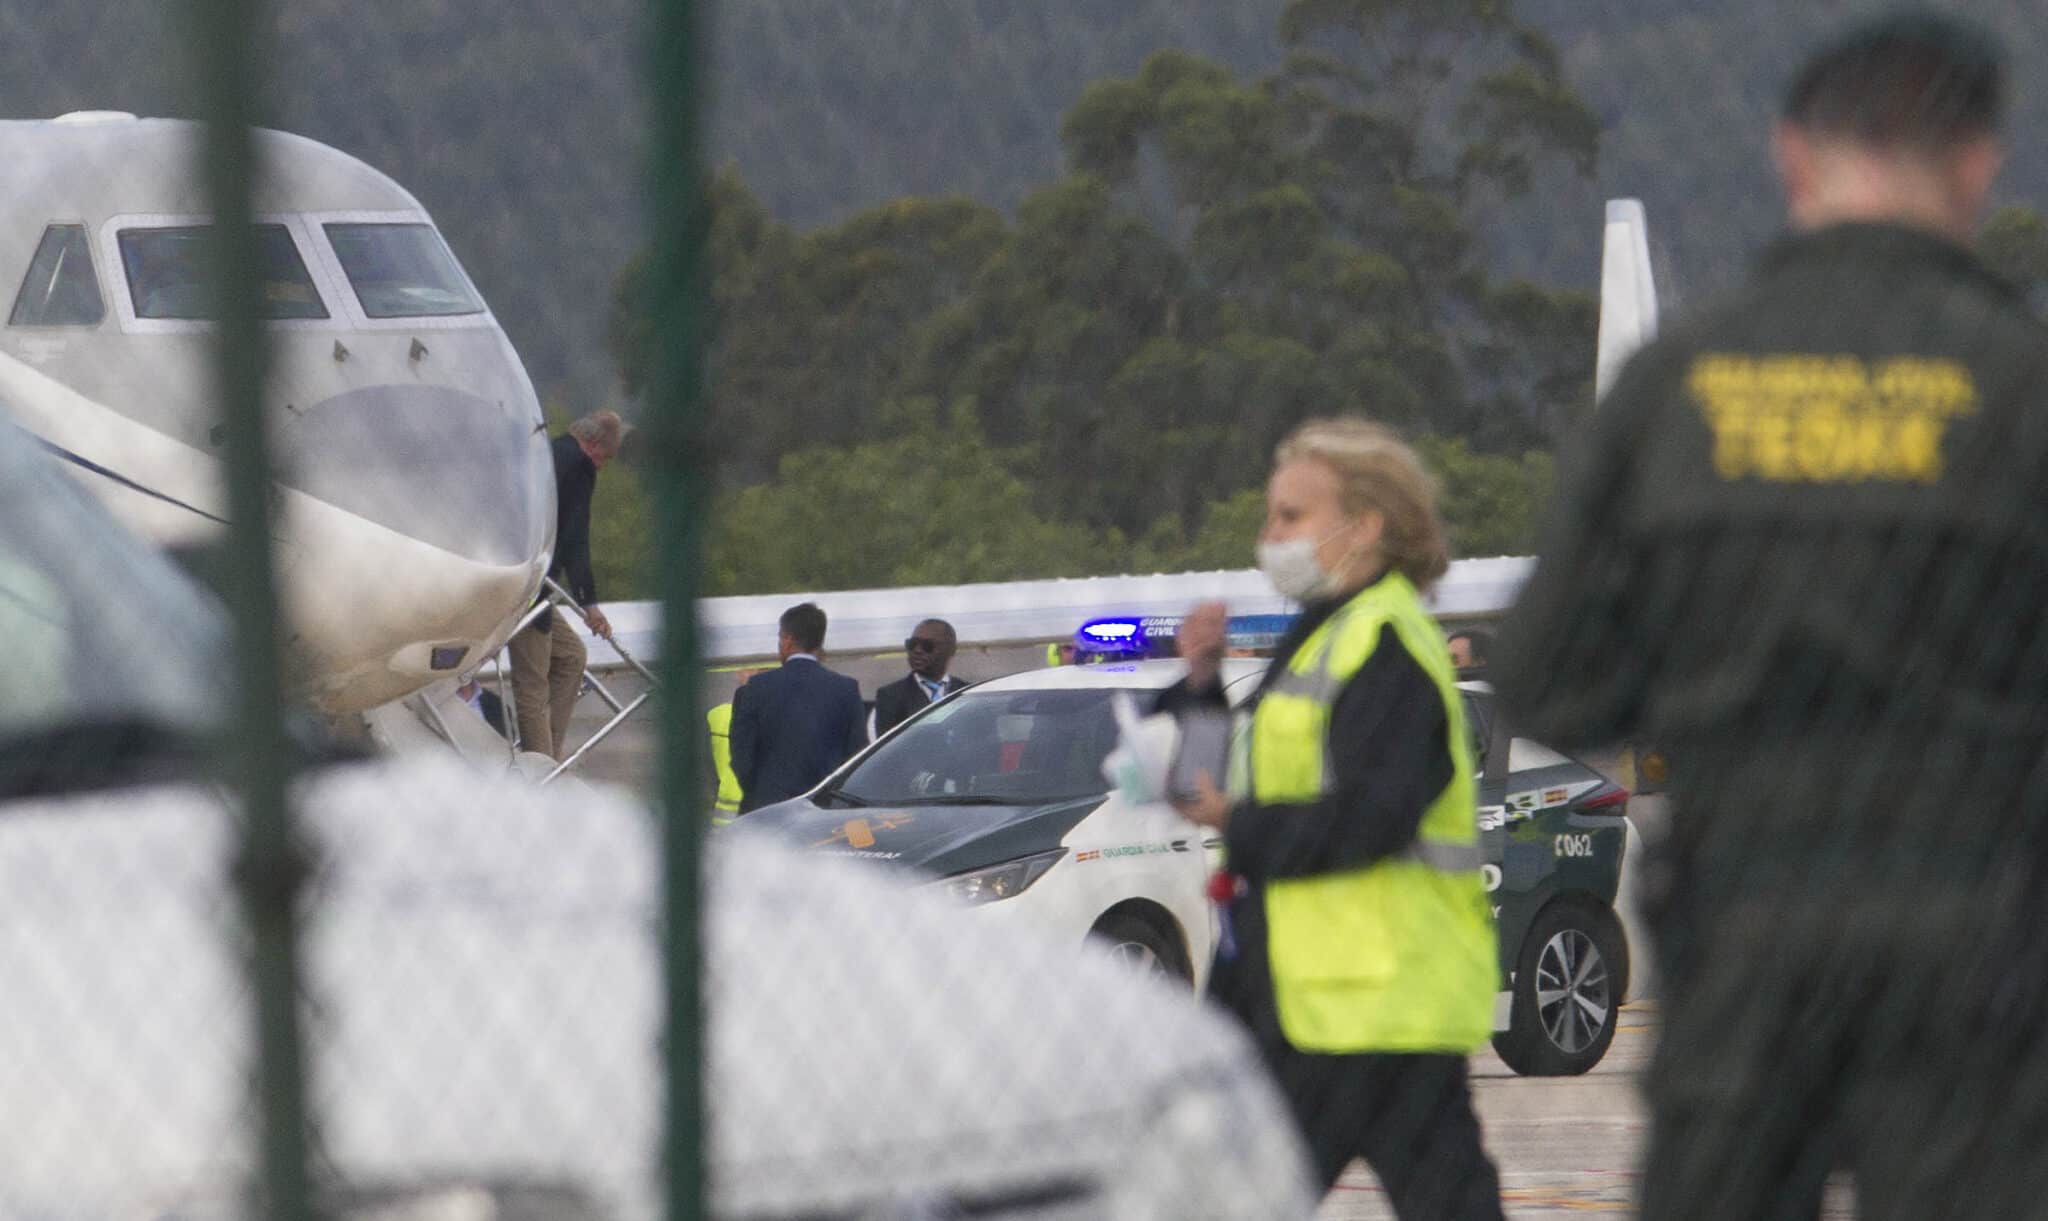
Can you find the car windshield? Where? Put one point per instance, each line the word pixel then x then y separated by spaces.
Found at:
pixel 102 630
pixel 402 271
pixel 1016 747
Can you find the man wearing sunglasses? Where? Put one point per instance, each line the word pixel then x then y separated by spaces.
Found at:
pixel 930 649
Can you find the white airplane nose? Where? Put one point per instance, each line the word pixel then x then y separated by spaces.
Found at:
pixel 373 614
pixel 433 510
pixel 449 469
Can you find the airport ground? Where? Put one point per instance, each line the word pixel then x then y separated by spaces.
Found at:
pixel 1566 1147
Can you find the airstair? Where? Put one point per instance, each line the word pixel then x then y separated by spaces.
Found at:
pixel 426 714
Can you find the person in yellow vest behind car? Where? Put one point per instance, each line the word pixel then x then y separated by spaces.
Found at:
pixel 726 806
pixel 1358 947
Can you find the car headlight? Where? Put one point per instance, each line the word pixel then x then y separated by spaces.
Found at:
pixel 1004 881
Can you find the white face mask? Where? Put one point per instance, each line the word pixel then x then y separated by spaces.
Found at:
pixel 1293 568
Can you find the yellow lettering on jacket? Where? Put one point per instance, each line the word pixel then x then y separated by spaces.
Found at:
pixel 1830 419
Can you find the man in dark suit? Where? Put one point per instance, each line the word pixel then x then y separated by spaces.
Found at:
pixel 792 725
pixel 930 649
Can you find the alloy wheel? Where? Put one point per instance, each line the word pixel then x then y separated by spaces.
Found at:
pixel 1138 958
pixel 1572 994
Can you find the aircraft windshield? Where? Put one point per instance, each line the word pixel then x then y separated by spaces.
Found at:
pixel 402 271
pixel 168 274
pixel 1020 747
pixel 60 288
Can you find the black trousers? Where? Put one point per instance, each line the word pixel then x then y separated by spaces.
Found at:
pixel 1799 1043
pixel 1409 1116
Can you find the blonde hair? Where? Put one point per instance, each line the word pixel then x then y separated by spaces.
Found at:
pixel 601 430
pixel 1378 472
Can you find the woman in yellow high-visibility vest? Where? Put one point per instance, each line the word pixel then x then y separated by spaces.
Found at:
pixel 1359 947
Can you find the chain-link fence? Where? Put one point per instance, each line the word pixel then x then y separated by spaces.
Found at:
pixel 1721 905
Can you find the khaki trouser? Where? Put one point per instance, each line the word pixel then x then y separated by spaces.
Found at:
pixel 547 676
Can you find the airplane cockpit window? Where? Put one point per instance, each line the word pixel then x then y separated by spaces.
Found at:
pixel 168 274
pixel 401 271
pixel 60 288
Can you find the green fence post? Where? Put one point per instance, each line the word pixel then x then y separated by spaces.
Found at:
pixel 224 45
pixel 678 463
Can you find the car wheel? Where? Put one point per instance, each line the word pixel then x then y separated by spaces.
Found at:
pixel 1142 948
pixel 1569 981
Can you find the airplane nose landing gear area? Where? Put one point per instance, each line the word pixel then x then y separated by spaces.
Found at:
pixel 412 601
pixel 432 510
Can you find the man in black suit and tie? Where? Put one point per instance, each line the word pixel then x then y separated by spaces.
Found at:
pixel 930 649
pixel 792 725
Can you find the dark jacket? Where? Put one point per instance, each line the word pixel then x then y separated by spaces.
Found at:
pixel 894 702
pixel 575 483
pixel 790 727
pixel 1802 543
pixel 492 708
pixel 1390 750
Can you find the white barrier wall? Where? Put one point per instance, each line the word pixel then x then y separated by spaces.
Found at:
pixel 1009 612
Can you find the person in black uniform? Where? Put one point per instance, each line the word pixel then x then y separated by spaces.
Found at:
pixel 930 649
pixel 1801 547
pixel 548 656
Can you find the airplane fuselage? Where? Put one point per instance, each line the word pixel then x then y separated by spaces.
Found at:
pixel 415 499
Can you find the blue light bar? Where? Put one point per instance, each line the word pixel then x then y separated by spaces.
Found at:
pixel 1118 635
pixel 1128 636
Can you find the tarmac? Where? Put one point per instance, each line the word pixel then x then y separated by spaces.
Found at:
pixel 1565 1146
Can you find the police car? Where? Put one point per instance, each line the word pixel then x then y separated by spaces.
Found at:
pixel 997 791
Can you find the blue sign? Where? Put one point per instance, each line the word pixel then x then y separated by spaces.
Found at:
pixel 1256 631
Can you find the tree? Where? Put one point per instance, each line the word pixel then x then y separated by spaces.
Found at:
pixel 809 341
pixel 1227 537
pixel 1224 259
pixel 937 506
pixel 1536 363
pixel 1426 118
pixel 620 530
pixel 1490 503
pixel 1078 291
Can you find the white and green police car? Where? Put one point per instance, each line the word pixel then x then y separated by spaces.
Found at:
pixel 997 792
